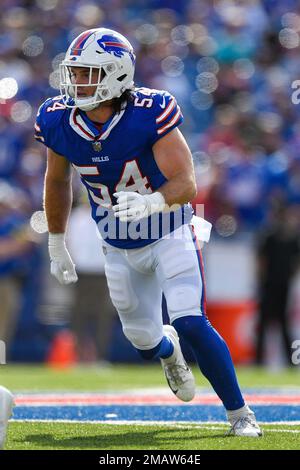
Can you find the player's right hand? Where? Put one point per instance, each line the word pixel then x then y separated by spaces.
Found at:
pixel 62 266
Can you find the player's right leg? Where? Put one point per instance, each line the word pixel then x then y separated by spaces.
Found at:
pixel 6 406
pixel 136 294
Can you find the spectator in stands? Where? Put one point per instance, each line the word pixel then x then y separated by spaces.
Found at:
pixel 15 246
pixel 278 260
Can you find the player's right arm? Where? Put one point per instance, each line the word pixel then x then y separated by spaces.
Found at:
pixel 57 192
pixel 57 187
pixel 57 205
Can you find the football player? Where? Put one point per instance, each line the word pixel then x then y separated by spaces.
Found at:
pixel 137 168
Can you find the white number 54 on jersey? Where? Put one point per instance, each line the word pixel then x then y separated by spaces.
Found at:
pixel 131 180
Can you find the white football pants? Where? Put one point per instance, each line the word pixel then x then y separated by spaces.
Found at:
pixel 136 279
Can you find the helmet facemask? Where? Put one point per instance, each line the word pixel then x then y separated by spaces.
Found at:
pixel 73 91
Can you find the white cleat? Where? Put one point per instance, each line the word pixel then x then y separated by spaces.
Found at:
pixel 246 426
pixel 6 406
pixel 179 376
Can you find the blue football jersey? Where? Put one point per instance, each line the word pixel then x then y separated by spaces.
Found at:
pixel 117 158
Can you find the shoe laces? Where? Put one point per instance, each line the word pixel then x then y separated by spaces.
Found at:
pixel 243 422
pixel 176 372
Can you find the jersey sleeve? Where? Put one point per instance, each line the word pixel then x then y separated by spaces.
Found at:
pixel 40 127
pixel 166 115
pixel 46 125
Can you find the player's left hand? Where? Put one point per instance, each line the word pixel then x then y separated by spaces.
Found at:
pixel 134 206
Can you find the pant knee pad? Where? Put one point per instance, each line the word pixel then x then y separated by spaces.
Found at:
pixel 142 333
pixel 120 289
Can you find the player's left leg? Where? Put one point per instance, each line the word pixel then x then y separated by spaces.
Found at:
pixel 180 271
pixel 136 293
pixel 6 406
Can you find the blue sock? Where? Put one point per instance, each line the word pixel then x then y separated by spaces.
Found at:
pixel 163 350
pixel 213 358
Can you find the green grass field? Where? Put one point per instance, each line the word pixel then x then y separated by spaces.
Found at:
pixel 125 377
pixel 43 435
pixel 33 436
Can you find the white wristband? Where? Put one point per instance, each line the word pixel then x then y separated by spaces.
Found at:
pixel 56 239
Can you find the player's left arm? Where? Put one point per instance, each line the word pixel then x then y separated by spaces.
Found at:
pixel 174 159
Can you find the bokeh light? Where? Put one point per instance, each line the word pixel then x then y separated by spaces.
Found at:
pixel 8 88
pixel 226 225
pixel 57 60
pixel 21 111
pixel 199 33
pixel 243 68
pixel 146 34
pixel 172 66
pixel 54 79
pixel 182 35
pixel 208 46
pixel 206 82
pixel 291 20
pixel 33 46
pixel 47 5
pixel 208 64
pixel 201 101
pixel 89 14
pixel 288 38
pixel 38 222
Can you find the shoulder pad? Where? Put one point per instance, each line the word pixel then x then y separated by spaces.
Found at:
pixel 48 119
pixel 165 114
pixel 51 111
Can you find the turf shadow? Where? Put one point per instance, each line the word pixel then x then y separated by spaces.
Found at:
pixel 158 439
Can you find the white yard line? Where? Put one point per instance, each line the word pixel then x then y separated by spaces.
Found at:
pixel 215 426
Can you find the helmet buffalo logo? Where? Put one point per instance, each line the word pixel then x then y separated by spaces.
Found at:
pixel 113 45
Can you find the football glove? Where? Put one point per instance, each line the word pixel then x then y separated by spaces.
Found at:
pixel 133 206
pixel 62 266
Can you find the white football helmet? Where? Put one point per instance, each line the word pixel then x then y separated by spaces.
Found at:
pixel 106 51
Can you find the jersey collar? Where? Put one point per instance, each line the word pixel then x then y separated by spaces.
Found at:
pixel 83 126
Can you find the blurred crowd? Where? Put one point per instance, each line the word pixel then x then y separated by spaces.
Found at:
pixel 230 64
